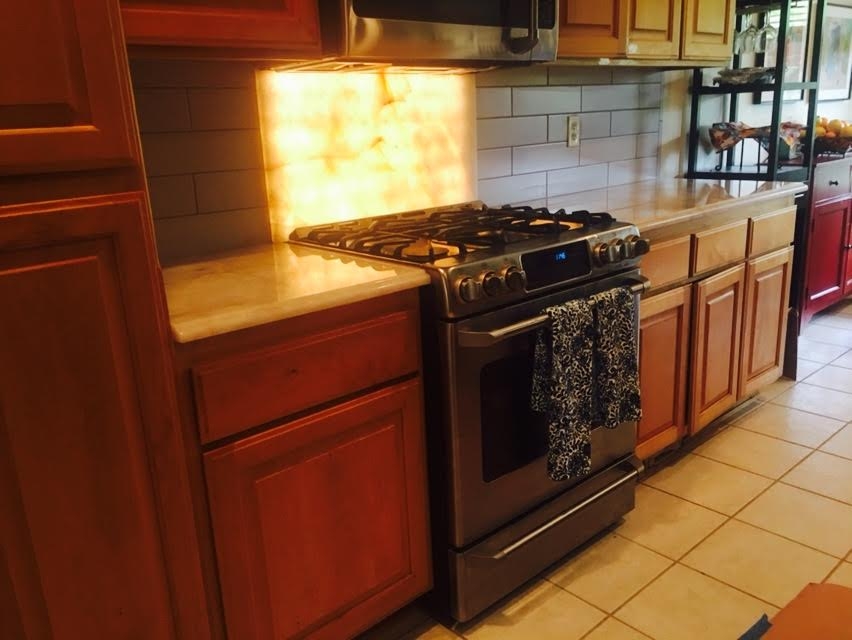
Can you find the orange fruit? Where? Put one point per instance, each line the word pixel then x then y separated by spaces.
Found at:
pixel 830 134
pixel 819 131
pixel 835 125
pixel 847 131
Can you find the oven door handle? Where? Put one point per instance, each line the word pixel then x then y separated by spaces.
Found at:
pixel 637 468
pixel 490 338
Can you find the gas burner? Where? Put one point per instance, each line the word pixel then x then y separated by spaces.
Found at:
pixel 424 250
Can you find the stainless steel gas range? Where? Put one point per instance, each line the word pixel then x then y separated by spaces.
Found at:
pixel 497 517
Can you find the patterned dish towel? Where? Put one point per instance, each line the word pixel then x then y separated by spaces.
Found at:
pixel 585 374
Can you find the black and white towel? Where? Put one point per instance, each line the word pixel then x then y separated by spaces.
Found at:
pixel 585 375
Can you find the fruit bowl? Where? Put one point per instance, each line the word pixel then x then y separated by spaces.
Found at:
pixel 838 145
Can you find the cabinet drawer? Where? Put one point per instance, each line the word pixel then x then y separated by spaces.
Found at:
pixel 719 247
pixel 832 180
pixel 667 262
pixel 771 231
pixel 251 389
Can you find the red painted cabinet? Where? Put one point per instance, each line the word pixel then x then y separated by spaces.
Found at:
pixel 83 422
pixel 320 523
pixel 65 103
pixel 827 255
pixel 847 250
pixel 283 26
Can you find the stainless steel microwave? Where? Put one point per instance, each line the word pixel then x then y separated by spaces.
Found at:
pixel 440 32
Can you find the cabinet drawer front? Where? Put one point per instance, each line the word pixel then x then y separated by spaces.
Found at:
pixel 261 386
pixel 832 180
pixel 771 231
pixel 719 247
pixel 667 262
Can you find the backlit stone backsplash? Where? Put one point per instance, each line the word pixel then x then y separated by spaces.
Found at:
pixel 339 146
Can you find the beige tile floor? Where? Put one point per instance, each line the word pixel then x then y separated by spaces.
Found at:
pixel 734 529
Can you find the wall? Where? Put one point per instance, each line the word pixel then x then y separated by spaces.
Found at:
pixel 522 131
pixel 201 145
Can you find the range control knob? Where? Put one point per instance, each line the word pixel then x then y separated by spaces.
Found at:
pixel 515 279
pixel 468 289
pixel 491 283
pixel 608 252
pixel 634 246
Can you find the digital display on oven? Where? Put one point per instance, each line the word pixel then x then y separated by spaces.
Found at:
pixel 556 264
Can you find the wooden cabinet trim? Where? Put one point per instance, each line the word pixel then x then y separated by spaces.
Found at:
pixel 704 37
pixel 583 32
pixel 249 389
pixel 667 262
pixel 765 314
pixel 654 28
pixel 771 231
pixel 718 247
pixel 716 348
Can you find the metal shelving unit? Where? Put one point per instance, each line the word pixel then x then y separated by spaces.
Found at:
pixel 772 168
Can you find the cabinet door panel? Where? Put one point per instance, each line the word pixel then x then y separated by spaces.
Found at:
pixel 663 350
pixel 765 320
pixel 847 252
pixel 716 346
pixel 826 256
pixel 64 95
pixel 352 477
pixel 654 30
pixel 708 27
pixel 280 25
pixel 80 528
pixel 592 28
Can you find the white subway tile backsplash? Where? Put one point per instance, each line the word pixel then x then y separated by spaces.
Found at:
pixel 493 163
pixel 513 189
pixel 606 98
pixel 188 237
pixel 595 124
pixel 493 102
pixel 510 132
pixel 230 190
pixel 544 157
pixel 650 96
pixel 579 75
pixel 576 179
pixel 162 110
pixel 635 121
pixel 512 77
pixel 151 72
pixel 223 108
pixel 607 149
pixel 200 151
pixel 632 170
pixel 172 196
pixel 623 75
pixel 647 144
pixel 543 100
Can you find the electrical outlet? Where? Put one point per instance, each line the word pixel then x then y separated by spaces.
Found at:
pixel 573 131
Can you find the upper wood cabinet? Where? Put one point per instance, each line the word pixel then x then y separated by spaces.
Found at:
pixel 592 28
pixel 283 26
pixel 84 387
pixel 708 29
pixel 662 30
pixel 65 101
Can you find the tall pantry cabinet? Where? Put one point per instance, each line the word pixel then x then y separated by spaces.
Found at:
pixel 97 528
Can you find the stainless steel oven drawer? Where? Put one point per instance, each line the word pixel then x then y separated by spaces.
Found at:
pixel 484 573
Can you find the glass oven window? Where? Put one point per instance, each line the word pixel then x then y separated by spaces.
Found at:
pixel 512 434
pixel 496 13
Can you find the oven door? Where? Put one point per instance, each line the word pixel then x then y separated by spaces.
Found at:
pixel 446 30
pixel 496 444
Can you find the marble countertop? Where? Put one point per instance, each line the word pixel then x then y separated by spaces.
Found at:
pixel 272 282
pixel 659 203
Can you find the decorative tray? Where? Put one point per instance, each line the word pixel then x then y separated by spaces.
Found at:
pixel 749 75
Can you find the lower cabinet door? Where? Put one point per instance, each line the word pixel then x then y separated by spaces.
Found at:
pixel 663 351
pixel 716 346
pixel 847 249
pixel 826 256
pixel 320 524
pixel 767 298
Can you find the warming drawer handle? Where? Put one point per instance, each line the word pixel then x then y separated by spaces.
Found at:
pixel 489 338
pixel 535 533
pixel 833 183
pixel 528 42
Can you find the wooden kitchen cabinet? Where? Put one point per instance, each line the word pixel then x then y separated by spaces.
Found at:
pixel 708 29
pixel 85 425
pixel 664 30
pixel 288 27
pixel 664 325
pixel 716 346
pixel 767 301
pixel 827 256
pixel 847 271
pixel 320 523
pixel 64 101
